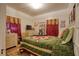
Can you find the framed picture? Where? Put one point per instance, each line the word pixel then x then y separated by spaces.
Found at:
pixel 62 24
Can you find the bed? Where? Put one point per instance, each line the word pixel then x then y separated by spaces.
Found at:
pixel 50 45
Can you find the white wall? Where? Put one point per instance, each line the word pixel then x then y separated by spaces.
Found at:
pixel 60 15
pixel 2 28
pixel 25 19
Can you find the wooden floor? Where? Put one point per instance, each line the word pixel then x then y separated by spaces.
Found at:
pixel 15 52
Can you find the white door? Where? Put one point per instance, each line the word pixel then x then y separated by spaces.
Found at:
pixel 76 33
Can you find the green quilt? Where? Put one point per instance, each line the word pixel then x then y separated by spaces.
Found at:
pixel 53 44
pixel 47 44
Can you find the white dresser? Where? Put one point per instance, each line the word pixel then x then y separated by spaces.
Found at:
pixel 11 40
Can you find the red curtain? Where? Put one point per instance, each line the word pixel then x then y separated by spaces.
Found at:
pixel 18 27
pixel 13 24
pixel 52 28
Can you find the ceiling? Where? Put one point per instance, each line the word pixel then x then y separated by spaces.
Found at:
pixel 47 7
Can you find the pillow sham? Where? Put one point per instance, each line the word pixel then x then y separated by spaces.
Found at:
pixel 65 34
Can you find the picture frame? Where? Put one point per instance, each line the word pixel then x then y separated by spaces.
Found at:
pixel 62 24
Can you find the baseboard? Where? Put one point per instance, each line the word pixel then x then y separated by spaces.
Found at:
pixel 10 47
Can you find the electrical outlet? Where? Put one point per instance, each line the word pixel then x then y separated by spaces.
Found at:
pixel 2 51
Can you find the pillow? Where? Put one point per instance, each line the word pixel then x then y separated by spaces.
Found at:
pixel 65 34
pixel 71 31
pixel 40 37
